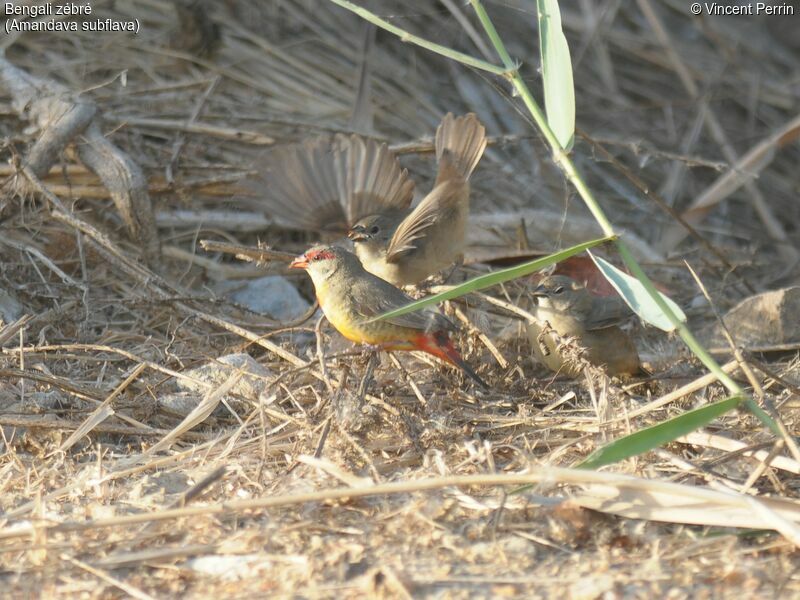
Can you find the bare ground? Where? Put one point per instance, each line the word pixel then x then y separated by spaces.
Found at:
pixel 673 99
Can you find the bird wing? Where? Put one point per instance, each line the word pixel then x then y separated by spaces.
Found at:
pixel 433 209
pixel 376 297
pixel 606 312
pixel 326 184
pixel 374 182
pixel 298 185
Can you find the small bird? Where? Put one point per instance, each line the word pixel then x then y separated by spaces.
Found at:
pixel 356 185
pixel 406 246
pixel 349 296
pixel 592 321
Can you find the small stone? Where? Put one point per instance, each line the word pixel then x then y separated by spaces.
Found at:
pixel 272 296
pixel 251 384
pixel 591 587
pixel 181 403
pixel 768 319
pixel 231 568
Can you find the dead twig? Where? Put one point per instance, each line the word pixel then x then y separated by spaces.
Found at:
pixel 61 116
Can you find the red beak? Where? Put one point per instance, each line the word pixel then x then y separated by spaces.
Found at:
pixel 301 262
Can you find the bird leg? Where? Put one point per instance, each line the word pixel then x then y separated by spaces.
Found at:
pixel 368 350
pixel 350 413
pixel 321 355
pixel 362 386
pixel 459 262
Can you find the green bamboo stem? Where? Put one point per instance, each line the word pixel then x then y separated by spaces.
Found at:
pixel 406 36
pixel 561 158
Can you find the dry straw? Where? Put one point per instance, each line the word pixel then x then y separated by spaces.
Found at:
pixel 415 491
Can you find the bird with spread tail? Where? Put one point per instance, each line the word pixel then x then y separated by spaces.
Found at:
pixel 357 185
pixel 350 297
pixel 592 321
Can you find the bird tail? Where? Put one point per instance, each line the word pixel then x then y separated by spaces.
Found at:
pixel 460 142
pixel 443 347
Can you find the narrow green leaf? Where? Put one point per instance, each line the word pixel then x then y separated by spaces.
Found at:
pixel 559 91
pixel 637 297
pixel 657 435
pixel 494 278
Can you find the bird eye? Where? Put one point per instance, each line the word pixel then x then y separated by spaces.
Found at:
pixel 375 229
pixel 558 290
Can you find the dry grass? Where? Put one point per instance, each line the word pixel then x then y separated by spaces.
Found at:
pixel 106 339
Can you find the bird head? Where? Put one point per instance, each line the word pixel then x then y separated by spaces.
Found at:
pixel 559 293
pixel 323 261
pixel 374 229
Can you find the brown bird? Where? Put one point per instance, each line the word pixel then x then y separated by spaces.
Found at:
pixel 406 246
pixel 350 296
pixel 356 185
pixel 592 321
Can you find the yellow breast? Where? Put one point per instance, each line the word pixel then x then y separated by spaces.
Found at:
pixel 352 326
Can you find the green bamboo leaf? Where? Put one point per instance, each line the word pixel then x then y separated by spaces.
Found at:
pixel 494 278
pixel 559 91
pixel 657 435
pixel 637 297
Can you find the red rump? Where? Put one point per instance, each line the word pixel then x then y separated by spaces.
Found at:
pixel 441 346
